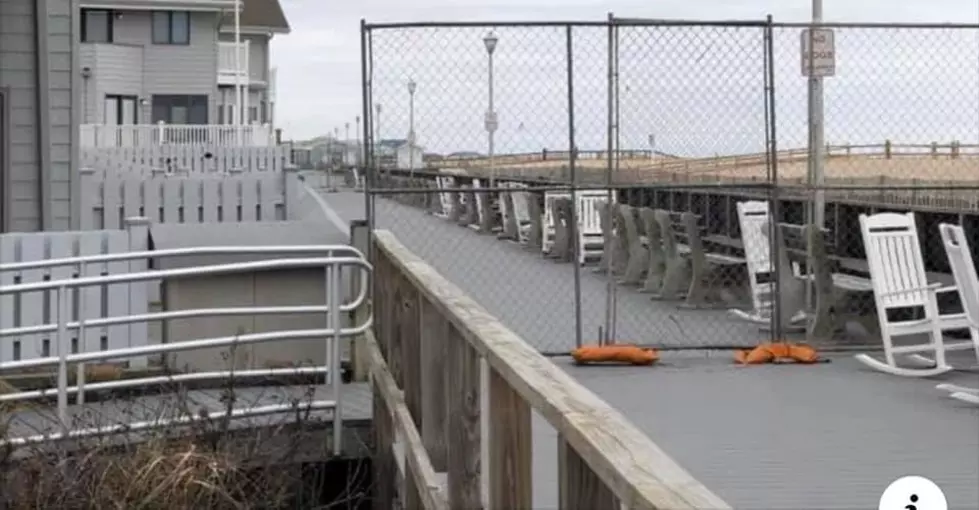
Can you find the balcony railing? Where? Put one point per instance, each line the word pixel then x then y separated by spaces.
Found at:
pixel 139 135
pixel 226 62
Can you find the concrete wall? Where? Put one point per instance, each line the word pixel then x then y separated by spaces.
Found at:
pixel 278 288
pixel 38 76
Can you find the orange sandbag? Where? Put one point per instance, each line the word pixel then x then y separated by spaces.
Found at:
pixel 629 354
pixel 781 352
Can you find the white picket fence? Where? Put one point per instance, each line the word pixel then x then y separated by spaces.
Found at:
pixel 108 198
pixel 188 158
pixel 41 307
pixel 135 135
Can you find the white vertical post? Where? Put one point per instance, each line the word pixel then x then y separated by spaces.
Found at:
pixel 85 206
pixel 80 334
pixel 138 232
pixel 411 128
pixel 333 303
pixel 816 126
pixel 245 88
pixel 290 190
pixel 62 341
pixel 236 118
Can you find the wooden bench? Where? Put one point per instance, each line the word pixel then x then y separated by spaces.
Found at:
pixel 688 262
pixel 615 251
pixel 636 245
pixel 834 292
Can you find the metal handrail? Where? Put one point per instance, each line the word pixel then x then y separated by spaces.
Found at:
pixel 187 345
pixel 184 419
pixel 174 314
pixel 82 260
pixel 333 332
pixel 165 379
pixel 177 252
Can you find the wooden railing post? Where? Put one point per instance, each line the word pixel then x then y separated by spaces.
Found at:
pixel 510 447
pixel 464 463
pixel 579 488
pixel 433 352
pixel 408 328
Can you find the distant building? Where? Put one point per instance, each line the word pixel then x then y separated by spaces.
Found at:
pixel 398 153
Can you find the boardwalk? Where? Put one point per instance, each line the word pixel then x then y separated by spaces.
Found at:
pixel 824 436
pixel 516 285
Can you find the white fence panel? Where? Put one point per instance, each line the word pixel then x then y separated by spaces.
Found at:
pixel 108 198
pixel 136 135
pixel 188 158
pixel 41 308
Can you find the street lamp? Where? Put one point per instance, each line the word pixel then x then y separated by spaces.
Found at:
pixel 491 121
pixel 412 86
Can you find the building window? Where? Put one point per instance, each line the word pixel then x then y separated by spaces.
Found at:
pixel 171 27
pixel 265 112
pixel 252 114
pixel 120 110
pixel 180 109
pixel 97 25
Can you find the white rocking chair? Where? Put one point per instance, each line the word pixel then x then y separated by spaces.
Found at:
pixel 964 271
pixel 753 218
pixel 897 273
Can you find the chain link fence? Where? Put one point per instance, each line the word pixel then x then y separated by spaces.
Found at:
pixel 494 151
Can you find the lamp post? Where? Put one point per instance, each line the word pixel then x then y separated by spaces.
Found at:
pixel 412 86
pixel 346 142
pixel 491 121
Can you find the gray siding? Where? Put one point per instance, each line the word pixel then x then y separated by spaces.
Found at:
pixel 117 69
pixel 63 123
pixel 41 151
pixel 165 69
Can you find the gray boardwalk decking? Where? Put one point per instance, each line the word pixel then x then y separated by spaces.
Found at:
pixel 832 435
pixel 535 297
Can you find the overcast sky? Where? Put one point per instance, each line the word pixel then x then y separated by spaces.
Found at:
pixel 697 90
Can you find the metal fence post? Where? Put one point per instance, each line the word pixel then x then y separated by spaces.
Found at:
pixel 775 210
pixel 573 177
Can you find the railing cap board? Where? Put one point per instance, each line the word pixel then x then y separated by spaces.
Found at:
pixel 628 462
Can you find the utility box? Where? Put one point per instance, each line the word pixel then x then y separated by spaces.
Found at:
pixel 280 287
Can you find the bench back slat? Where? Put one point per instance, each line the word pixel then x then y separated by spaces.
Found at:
pixel 897 268
pixel 963 268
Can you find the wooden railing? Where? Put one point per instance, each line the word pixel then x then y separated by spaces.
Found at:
pixel 433 349
pixel 667 162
